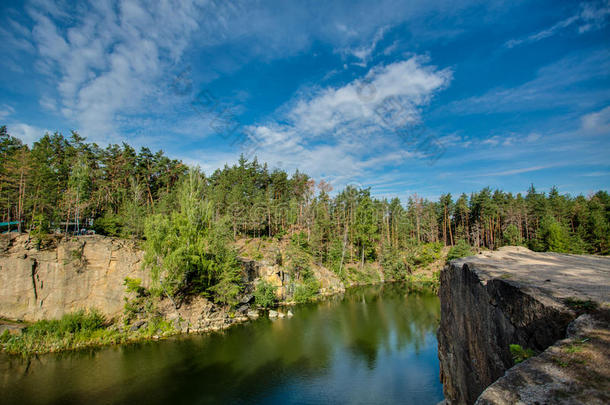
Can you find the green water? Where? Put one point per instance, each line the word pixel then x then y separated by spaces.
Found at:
pixel 374 345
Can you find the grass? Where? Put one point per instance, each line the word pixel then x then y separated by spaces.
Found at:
pixel 580 305
pixel 420 282
pixel 75 331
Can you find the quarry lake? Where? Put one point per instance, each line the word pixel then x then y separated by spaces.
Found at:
pixel 373 345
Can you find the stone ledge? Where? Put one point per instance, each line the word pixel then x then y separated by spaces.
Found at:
pixel 511 296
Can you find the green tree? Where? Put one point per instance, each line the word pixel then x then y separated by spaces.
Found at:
pixel 512 236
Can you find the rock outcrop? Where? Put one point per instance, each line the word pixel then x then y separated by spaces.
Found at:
pixel 88 272
pixel 78 273
pixel 514 296
pixel 276 275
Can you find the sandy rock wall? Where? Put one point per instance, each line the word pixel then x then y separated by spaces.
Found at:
pixel 80 273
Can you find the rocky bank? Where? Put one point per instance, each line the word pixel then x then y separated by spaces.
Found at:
pixel 554 304
pixel 64 275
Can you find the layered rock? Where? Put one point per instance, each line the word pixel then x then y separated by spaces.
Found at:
pixel 88 272
pixel 78 273
pixel 511 296
pixel 276 275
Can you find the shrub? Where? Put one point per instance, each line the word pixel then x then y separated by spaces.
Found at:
pixel 428 253
pixel 264 294
pixel 461 249
pixel 75 322
pixel 109 224
pixel 392 263
pixel 520 354
pixel 228 287
pixel 134 285
pixel 306 291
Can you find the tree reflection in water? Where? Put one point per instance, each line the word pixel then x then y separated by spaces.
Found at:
pixel 375 344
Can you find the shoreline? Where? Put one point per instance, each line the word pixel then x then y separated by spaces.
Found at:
pixel 111 335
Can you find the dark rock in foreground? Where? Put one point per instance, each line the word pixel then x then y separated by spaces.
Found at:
pixel 516 296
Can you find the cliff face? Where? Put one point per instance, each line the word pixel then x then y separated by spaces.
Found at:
pixel 512 296
pixel 89 271
pixel 85 272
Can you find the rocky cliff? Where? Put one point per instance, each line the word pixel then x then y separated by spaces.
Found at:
pixel 88 272
pixel 79 273
pixel 515 296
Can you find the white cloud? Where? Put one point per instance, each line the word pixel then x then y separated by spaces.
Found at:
pixel 597 123
pixel 5 111
pixel 590 15
pixel 26 133
pixel 357 105
pixel 339 131
pixel 107 59
pixel 364 52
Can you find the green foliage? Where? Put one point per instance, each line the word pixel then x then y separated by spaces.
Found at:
pixel 71 331
pixel 264 294
pixel 520 354
pixel 512 236
pixel 227 289
pixel 298 259
pixel 581 305
pixel 461 249
pixel 134 285
pixel 40 226
pixel 299 241
pixel 76 254
pixel 553 236
pixel 187 251
pixel 306 291
pixel 365 227
pixel 422 255
pixel 109 224
pixel 393 265
pixel 335 255
pixel 78 330
pixel 421 282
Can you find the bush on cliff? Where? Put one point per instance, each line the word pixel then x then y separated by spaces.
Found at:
pixel 187 251
pixel 264 294
pixel 461 249
pixel 306 291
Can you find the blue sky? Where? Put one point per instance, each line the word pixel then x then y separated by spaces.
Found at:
pixel 405 97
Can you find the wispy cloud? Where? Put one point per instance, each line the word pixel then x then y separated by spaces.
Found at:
pixel 597 123
pixel 364 52
pixel 553 86
pixel 516 171
pixel 336 130
pixel 5 111
pixel 590 16
pixel 106 59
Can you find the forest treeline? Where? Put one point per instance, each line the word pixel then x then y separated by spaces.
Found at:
pixel 64 183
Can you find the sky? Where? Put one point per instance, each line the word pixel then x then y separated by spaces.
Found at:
pixel 404 97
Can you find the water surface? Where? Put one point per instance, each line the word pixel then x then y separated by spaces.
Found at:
pixel 374 345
